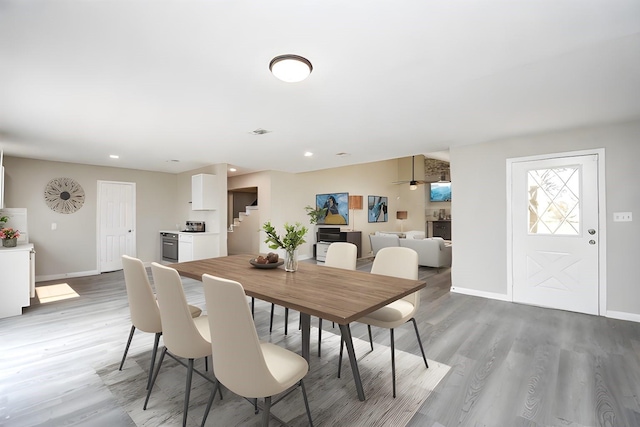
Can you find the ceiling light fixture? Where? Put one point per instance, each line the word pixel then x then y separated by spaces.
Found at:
pixel 290 68
pixel 308 154
pixel 232 169
pixel 114 156
pixel 413 185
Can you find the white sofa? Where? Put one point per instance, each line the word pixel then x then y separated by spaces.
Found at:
pixel 432 252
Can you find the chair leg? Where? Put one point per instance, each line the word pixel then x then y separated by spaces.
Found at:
pixel 210 402
pixel 306 403
pixel 126 349
pixel 253 307
pixel 370 336
pixel 393 362
pixel 206 364
pixel 271 318
pixel 187 392
pixel 155 375
pixel 319 336
pixel 286 320
pixel 420 342
pixel 266 412
pixel 153 357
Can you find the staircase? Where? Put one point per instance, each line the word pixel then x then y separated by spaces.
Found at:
pixel 243 236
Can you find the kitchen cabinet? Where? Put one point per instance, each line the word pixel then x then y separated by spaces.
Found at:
pixel 17 282
pixel 194 246
pixel 204 192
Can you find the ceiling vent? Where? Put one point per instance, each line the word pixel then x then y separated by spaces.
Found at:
pixel 260 131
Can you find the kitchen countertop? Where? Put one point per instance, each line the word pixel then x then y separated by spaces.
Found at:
pixel 188 233
pixel 19 247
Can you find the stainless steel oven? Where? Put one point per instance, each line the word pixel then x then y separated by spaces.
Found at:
pixel 169 242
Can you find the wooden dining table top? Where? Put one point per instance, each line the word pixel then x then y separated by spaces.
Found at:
pixel 334 294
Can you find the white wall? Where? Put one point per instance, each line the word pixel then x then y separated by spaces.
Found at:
pixel 282 196
pixel 479 209
pixel 71 248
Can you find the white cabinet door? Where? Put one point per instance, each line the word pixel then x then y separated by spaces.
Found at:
pixel 14 281
pixel 203 192
pixel 185 248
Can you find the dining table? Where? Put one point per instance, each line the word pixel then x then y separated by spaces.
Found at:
pixel 341 296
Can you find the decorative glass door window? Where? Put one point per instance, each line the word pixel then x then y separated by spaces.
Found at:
pixel 554 201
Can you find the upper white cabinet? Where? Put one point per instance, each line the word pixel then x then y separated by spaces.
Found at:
pixel 204 192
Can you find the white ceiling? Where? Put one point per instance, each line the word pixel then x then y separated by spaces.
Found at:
pixel 154 81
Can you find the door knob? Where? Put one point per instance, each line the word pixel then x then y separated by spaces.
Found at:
pixel 592 231
pixel 592 242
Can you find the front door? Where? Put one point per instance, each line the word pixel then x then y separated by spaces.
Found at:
pixel 555 233
pixel 116 223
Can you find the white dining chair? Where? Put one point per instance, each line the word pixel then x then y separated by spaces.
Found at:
pixel 143 307
pixel 396 262
pixel 246 366
pixel 184 337
pixel 339 255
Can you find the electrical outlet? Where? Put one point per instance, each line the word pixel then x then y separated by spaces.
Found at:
pixel 622 216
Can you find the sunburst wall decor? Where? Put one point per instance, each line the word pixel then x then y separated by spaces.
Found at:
pixel 64 195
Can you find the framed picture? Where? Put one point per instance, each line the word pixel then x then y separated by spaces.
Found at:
pixel 337 205
pixel 377 207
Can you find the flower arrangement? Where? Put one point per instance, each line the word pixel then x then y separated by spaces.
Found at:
pixel 9 233
pixel 293 237
pixel 4 219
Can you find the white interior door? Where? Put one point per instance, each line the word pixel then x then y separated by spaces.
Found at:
pixel 116 223
pixel 555 233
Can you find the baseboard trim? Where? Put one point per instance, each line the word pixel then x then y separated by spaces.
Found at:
pixel 66 275
pixel 482 294
pixel 621 315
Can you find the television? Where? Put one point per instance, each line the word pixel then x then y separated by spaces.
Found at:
pixel 440 192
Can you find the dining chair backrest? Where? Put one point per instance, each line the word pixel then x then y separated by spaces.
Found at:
pixel 238 360
pixel 398 262
pixel 179 333
pixel 143 307
pixel 342 255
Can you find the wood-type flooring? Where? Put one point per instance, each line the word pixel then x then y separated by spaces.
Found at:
pixel 511 364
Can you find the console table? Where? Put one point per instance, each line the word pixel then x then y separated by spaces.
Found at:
pixel 441 229
pixel 334 234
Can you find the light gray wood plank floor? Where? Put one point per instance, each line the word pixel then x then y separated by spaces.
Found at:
pixel 512 365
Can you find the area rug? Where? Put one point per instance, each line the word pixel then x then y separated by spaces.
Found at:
pixel 333 400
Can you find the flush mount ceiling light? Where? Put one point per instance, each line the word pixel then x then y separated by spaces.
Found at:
pixel 290 68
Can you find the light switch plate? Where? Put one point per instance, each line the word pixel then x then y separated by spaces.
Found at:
pixel 622 216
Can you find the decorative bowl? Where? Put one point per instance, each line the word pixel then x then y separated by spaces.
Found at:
pixel 268 265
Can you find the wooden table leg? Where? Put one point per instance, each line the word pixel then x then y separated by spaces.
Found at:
pixel 346 335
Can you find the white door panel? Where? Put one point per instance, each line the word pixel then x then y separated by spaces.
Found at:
pixel 555 233
pixel 116 223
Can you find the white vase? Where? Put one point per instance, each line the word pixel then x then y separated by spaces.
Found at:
pixel 291 260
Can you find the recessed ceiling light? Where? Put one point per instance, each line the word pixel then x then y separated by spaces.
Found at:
pixel 114 156
pixel 232 169
pixel 342 154
pixel 173 161
pixel 290 68
pixel 308 154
